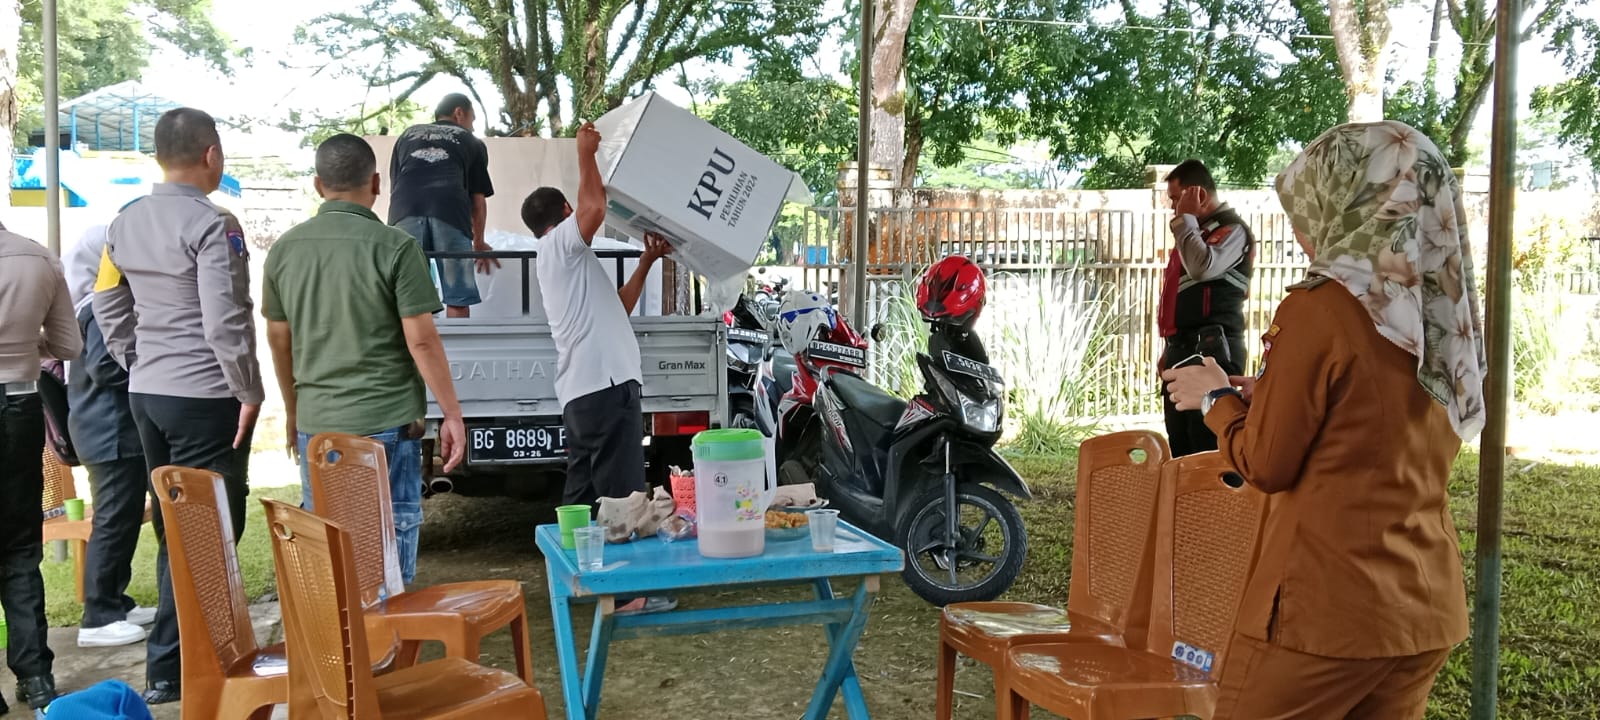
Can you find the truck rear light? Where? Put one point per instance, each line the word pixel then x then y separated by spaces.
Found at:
pixel 681 423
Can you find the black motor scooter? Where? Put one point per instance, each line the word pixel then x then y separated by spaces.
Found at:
pixel 749 347
pixel 923 473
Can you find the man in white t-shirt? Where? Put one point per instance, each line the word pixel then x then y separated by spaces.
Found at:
pixel 598 369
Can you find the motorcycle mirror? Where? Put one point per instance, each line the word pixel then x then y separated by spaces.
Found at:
pixel 879 332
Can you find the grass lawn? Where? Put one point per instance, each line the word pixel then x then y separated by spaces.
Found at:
pixel 255 562
pixel 1550 632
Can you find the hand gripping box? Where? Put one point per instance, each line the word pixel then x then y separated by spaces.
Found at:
pixel 668 171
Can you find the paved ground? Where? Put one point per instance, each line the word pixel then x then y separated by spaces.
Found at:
pixel 86 667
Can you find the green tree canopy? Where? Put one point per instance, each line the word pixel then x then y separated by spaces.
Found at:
pixel 104 42
pixel 554 61
pixel 1200 79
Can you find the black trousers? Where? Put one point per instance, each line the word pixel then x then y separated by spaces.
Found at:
pixel 194 433
pixel 22 534
pixel 120 488
pixel 1186 431
pixel 605 450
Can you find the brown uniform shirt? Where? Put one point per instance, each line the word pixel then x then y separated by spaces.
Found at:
pixel 1359 558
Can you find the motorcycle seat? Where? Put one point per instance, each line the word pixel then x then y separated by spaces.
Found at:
pixel 869 400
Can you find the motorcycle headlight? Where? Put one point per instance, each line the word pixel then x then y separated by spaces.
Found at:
pixel 980 416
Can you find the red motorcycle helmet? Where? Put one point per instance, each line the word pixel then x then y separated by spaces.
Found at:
pixel 951 292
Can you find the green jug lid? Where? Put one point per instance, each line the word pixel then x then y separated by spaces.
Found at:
pixel 730 445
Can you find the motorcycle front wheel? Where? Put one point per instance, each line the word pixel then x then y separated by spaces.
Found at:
pixel 979 562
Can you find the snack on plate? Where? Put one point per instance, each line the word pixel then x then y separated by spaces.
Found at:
pixel 785 521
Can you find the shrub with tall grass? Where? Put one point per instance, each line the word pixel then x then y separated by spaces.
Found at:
pixel 1050 334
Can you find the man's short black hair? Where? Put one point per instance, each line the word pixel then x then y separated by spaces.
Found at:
pixel 1193 173
pixel 182 137
pixel 345 162
pixel 544 209
pixel 450 104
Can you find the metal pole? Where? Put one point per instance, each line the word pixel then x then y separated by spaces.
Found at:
pixel 1497 380
pixel 52 130
pixel 858 258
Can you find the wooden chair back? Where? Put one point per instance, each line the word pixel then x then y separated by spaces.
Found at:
pixel 330 669
pixel 350 486
pixel 1207 536
pixel 213 613
pixel 1119 483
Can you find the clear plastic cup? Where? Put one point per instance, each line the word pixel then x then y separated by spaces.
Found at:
pixel 824 523
pixel 591 546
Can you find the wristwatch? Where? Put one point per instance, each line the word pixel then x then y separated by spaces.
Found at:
pixel 1212 397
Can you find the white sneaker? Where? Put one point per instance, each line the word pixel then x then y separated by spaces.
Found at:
pixel 142 616
pixel 116 634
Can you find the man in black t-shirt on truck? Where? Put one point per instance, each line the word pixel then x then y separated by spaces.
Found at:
pixel 439 176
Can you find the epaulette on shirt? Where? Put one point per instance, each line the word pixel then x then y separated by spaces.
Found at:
pixel 1310 282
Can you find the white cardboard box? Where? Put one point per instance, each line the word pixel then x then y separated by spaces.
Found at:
pixel 668 171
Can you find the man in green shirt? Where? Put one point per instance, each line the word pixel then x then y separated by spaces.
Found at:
pixel 349 307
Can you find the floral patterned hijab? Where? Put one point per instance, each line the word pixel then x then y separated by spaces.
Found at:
pixel 1379 205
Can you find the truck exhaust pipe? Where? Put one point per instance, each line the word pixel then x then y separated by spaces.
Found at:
pixel 440 485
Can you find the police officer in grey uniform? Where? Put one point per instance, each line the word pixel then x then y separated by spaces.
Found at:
pixel 173 301
pixel 33 298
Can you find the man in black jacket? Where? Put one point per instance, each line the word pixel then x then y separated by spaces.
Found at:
pixel 1203 293
pixel 107 442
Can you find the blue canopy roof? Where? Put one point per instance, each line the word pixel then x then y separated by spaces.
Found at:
pixel 121 117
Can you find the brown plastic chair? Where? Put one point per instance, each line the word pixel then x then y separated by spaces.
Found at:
pixel 59 487
pixel 225 674
pixel 1207 535
pixel 350 486
pixel 329 675
pixel 1114 521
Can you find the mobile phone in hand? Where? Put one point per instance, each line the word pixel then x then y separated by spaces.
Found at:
pixel 1192 360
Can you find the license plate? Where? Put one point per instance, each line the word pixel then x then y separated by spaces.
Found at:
pixel 834 352
pixel 972 368
pixel 516 443
pixel 753 337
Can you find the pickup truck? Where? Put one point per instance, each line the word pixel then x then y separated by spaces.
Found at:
pixel 504 371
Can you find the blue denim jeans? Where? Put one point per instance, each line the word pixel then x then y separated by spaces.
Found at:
pixel 405 491
pixel 458 286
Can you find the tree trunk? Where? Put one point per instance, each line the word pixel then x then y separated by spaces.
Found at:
pixel 1360 34
pixel 892 22
pixel 10 31
pixel 914 141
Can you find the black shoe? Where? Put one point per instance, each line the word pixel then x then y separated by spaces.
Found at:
pixel 4 708
pixel 37 691
pixel 162 692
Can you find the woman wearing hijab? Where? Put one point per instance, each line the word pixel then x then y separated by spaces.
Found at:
pixel 1371 378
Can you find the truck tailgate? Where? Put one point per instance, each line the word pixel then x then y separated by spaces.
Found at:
pixel 507 368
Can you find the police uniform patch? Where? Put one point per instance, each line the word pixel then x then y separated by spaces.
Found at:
pixel 236 243
pixel 1266 347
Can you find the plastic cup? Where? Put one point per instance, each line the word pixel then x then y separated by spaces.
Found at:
pixel 74 508
pixel 823 524
pixel 571 517
pixel 591 542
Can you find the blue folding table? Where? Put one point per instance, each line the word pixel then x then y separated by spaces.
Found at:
pixel 649 566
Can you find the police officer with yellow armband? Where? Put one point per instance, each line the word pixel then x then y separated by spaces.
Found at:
pixel 173 301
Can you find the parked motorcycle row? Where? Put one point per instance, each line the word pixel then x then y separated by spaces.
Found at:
pixel 922 473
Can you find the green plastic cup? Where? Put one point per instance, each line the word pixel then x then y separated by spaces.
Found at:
pixel 74 508
pixel 571 517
